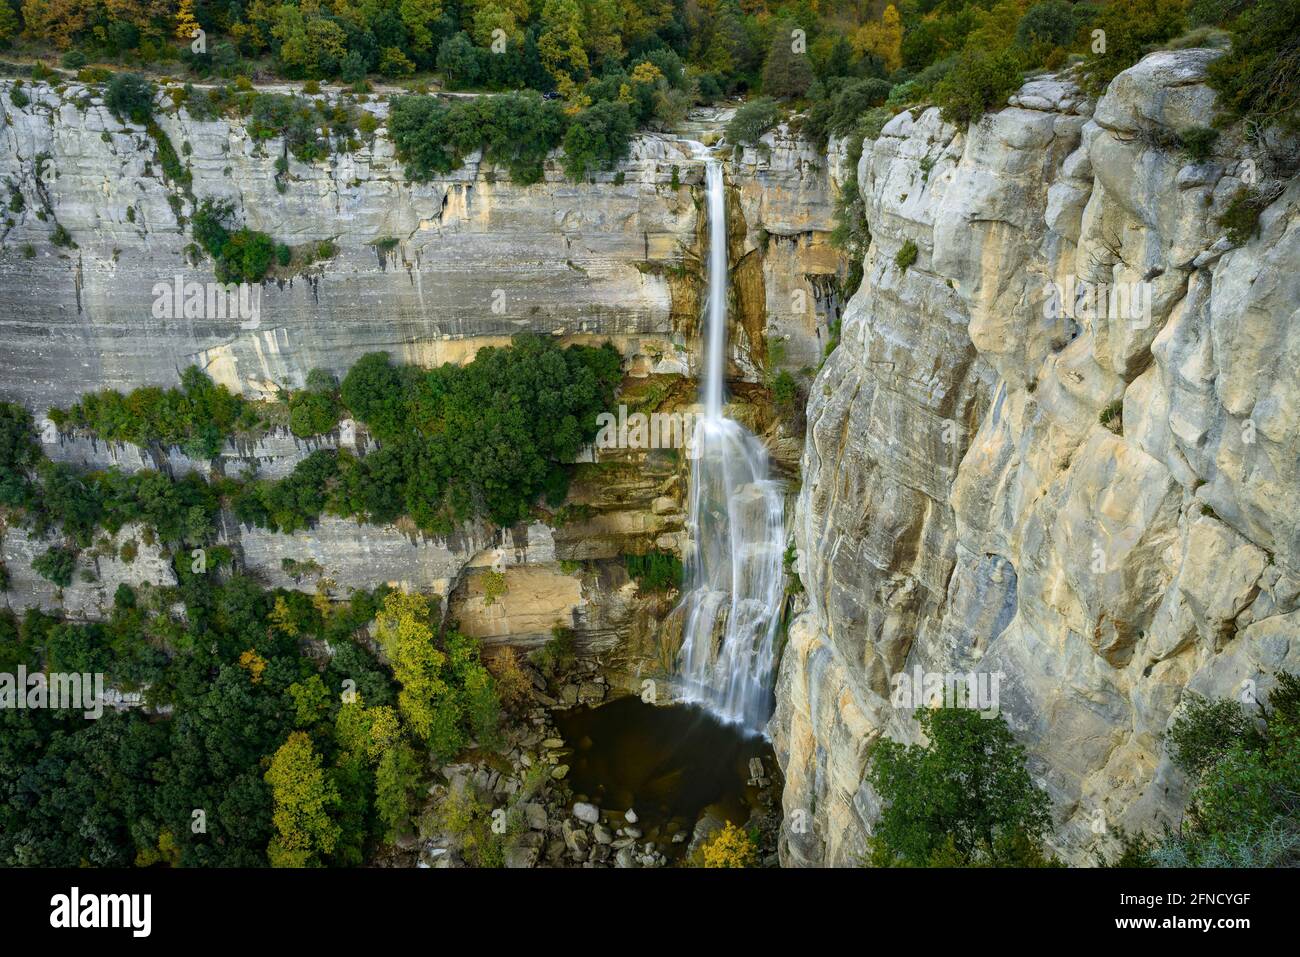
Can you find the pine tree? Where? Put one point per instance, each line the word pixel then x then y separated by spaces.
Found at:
pixel 786 73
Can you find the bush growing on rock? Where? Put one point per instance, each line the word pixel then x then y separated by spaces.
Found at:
pixel 56 565
pixel 978 82
pixel 655 570
pixel 1259 77
pixel 514 130
pixel 753 120
pixel 906 255
pixel 315 409
pixel 1245 772
pixel 19 452
pixel 130 97
pixel 242 255
pixel 198 416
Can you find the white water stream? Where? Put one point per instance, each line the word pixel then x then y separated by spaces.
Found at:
pixel 734 577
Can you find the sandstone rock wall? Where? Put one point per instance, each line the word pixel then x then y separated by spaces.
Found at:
pixel 965 509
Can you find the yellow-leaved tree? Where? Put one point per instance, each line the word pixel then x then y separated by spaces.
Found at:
pixel 186 23
pixel 407 638
pixel 560 45
pixel 364 732
pixel 730 847
pixel 884 39
pixel 302 798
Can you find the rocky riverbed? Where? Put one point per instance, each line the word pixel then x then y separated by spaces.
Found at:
pixel 564 790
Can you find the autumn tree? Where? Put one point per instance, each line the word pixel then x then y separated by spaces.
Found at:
pixel 560 44
pixel 487 16
pixel 186 24
pixel 407 638
pixel 883 39
pixel 303 799
pixel 729 847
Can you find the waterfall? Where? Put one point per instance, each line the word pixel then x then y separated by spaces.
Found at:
pixel 734 575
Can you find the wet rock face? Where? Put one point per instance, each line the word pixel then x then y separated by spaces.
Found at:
pixel 1100 506
pixel 429 272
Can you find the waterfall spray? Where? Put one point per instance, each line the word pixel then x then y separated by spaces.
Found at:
pixel 737 531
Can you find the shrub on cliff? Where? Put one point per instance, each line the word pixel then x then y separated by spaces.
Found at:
pixel 198 416
pixel 514 130
pixel 978 82
pixel 56 565
pixel 1130 28
pixel 315 409
pixel 654 571
pixel 241 255
pixel 753 120
pixel 1244 809
pixel 964 799
pixel 19 452
pixel 842 107
pixel 130 97
pixel 1259 77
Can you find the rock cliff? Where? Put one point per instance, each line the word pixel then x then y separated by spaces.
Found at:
pixel 429 271
pixel 1098 504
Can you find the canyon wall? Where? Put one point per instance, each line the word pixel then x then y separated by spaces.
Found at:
pixel 429 272
pixel 974 501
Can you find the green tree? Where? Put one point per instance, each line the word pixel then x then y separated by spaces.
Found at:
pixel 752 120
pixel 979 82
pixel 786 73
pixel 1129 27
pixel 397 789
pixel 130 97
pixel 1244 809
pixel 597 139
pixel 1259 76
pixel 963 799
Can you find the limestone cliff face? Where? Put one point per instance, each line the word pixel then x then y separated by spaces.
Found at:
pixel 429 272
pixel 964 508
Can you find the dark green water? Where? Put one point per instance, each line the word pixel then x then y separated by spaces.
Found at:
pixel 668 763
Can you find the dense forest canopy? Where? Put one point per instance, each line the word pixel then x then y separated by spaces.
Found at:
pixel 278 731
pixel 658 56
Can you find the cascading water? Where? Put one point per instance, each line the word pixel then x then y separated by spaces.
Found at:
pixel 731 611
